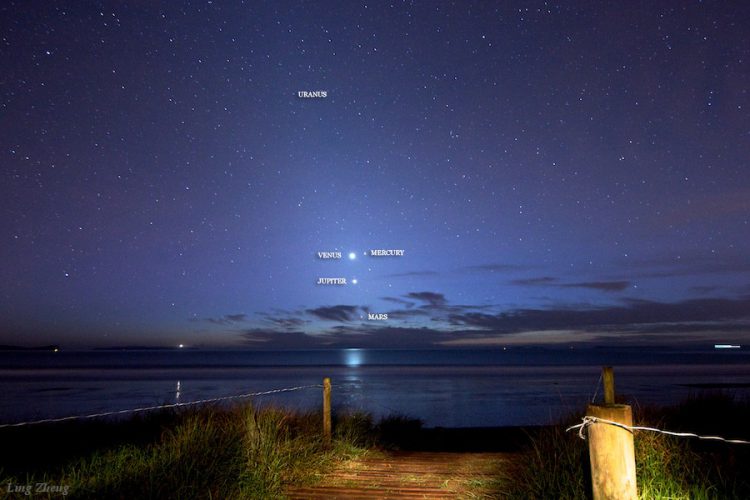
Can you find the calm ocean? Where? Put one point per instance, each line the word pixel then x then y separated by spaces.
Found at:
pixel 450 388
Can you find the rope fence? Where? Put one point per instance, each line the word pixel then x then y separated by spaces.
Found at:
pixel 588 420
pixel 160 407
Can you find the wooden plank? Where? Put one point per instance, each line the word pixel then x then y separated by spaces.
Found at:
pixel 425 475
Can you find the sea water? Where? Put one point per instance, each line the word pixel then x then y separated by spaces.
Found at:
pixel 446 388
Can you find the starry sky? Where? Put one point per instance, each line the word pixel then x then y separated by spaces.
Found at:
pixel 556 173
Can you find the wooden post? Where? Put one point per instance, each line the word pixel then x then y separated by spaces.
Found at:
pixel 608 378
pixel 611 449
pixel 327 412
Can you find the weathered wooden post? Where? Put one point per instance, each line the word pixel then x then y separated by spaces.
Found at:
pixel 327 412
pixel 611 449
pixel 608 379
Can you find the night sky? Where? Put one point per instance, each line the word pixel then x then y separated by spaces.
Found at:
pixel 555 173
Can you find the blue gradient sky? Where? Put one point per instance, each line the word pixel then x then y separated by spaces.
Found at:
pixel 555 172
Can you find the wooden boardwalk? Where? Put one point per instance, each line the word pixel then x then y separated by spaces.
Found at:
pixel 425 475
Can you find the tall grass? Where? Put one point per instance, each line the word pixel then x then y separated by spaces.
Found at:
pixel 668 468
pixel 280 449
pixel 241 452
pixel 554 465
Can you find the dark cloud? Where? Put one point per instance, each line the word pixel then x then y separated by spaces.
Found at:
pixel 704 290
pixel 431 298
pixel 542 281
pixel 275 339
pixel 409 313
pixel 630 321
pixel 228 319
pixel 396 337
pixel 349 336
pixel 496 268
pixel 287 322
pixel 634 312
pixel 741 325
pixel 335 313
pixel 412 273
pixel 398 300
pixel 604 286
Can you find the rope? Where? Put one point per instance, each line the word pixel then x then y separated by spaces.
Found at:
pixel 149 408
pixel 588 420
pixel 598 384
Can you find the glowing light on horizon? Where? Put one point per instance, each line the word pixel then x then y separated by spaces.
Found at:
pixel 353 357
